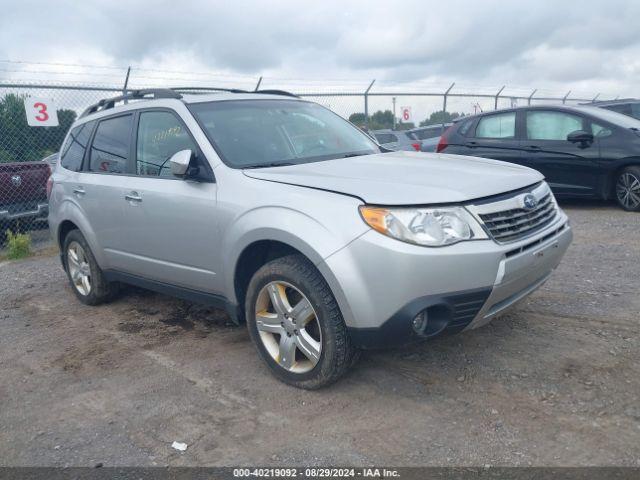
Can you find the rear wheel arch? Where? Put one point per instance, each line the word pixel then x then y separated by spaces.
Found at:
pixel 63 230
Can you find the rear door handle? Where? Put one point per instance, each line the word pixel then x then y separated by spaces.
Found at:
pixel 133 197
pixel 79 191
pixel 472 144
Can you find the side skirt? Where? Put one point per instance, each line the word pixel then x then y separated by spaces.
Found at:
pixel 195 296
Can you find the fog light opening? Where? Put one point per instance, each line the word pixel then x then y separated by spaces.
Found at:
pixel 420 321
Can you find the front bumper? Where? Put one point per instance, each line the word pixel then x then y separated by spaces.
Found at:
pixel 381 284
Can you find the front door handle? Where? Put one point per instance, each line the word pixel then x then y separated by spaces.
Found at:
pixel 534 147
pixel 133 197
pixel 79 191
pixel 472 144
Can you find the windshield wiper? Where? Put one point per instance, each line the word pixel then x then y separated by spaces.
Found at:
pixel 355 154
pixel 267 165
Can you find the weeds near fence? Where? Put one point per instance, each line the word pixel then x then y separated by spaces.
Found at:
pixel 18 245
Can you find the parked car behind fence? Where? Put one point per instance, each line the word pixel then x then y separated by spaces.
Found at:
pixel 397 140
pixel 23 196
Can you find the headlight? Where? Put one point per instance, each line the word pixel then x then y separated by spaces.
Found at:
pixel 431 227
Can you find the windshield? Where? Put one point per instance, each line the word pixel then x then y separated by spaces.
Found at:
pixel 261 133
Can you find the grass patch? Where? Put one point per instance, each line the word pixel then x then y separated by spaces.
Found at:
pixel 18 245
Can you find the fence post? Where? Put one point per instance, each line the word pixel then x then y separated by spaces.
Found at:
pixel 444 103
pixel 366 105
pixel 495 105
pixel 531 96
pixel 126 83
pixel 564 99
pixel 258 84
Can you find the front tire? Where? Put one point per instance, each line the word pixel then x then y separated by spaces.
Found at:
pixel 296 324
pixel 86 278
pixel 627 189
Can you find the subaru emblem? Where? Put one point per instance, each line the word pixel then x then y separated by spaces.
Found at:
pixel 529 202
pixel 16 180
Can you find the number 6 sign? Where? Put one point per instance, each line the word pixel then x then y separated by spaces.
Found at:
pixel 41 112
pixel 406 114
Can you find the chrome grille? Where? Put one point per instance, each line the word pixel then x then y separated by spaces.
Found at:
pixel 516 223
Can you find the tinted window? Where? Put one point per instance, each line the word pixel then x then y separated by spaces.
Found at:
pixel 543 125
pixel 410 136
pixel 600 130
pixel 73 149
pixel 253 133
pixel 110 147
pixel 635 110
pixel 160 135
pixel 385 138
pixel 426 133
pixel 464 128
pixel 502 125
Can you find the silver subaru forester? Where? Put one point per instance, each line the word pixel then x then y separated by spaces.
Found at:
pixel 296 222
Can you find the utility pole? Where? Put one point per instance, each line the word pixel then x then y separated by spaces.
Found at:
pixel 394 112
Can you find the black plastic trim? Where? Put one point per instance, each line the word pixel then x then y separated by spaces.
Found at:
pixel 455 311
pixel 184 293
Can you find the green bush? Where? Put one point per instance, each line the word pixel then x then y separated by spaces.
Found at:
pixel 18 245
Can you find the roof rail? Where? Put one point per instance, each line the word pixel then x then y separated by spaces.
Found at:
pixel 107 103
pixel 233 90
pixel 207 89
pixel 277 92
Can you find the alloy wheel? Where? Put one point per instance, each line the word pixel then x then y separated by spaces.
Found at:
pixel 628 190
pixel 79 269
pixel 291 334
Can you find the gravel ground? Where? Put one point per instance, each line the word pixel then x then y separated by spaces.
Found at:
pixel 555 382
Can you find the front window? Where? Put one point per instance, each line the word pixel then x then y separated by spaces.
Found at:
pixel 550 125
pixel 260 133
pixel 160 135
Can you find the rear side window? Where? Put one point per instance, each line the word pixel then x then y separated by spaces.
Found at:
pixel 542 125
pixel 72 151
pixel 160 135
pixel 501 125
pixel 110 147
pixel 385 138
pixel 428 133
pixel 465 127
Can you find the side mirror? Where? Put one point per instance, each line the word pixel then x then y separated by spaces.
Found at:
pixel 180 161
pixel 580 136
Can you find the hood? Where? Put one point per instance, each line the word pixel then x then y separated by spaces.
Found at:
pixel 405 178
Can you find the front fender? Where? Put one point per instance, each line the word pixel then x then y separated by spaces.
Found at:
pixel 292 227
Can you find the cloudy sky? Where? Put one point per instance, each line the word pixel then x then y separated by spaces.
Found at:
pixel 583 46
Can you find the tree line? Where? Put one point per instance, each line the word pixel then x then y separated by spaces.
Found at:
pixel 382 120
pixel 21 143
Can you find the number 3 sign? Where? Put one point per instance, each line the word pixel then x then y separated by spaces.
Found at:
pixel 41 112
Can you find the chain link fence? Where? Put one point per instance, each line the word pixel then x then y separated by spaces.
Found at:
pixel 28 153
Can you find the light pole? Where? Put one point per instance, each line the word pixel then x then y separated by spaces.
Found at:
pixel 393 100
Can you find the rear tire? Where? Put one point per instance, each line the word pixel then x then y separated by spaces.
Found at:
pixel 627 189
pixel 306 323
pixel 85 276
